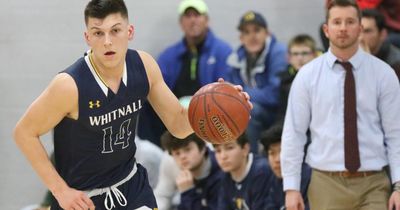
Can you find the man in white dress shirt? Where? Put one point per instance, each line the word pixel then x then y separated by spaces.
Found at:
pixel 319 101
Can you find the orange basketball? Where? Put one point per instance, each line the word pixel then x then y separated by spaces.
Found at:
pixel 218 113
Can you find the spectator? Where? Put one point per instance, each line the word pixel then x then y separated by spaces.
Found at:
pixel 198 177
pixel 301 50
pixel 374 39
pixel 256 65
pixel 196 60
pixel 245 184
pixel 150 162
pixel 271 139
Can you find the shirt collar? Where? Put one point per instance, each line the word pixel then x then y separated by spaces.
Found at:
pixel 355 60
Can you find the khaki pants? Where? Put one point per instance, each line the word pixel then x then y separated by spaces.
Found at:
pixel 329 192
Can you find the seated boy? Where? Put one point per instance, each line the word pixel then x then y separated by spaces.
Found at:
pixel 198 176
pixel 245 184
pixel 301 50
pixel 271 139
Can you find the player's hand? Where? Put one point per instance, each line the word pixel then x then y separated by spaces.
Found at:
pixel 184 180
pixel 293 200
pixel 71 199
pixel 240 88
pixel 394 201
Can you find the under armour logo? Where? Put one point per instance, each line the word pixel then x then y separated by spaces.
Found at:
pixel 94 104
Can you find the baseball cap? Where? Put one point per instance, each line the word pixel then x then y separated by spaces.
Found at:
pixel 252 17
pixel 199 5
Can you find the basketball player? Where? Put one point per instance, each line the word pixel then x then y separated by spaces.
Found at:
pixel 93 106
pixel 246 182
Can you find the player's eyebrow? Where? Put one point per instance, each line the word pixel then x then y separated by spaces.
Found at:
pixel 97 28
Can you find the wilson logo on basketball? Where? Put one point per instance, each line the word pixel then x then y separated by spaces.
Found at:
pixel 202 128
pixel 225 132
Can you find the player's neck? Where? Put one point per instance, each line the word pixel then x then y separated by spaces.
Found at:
pixel 239 173
pixel 111 76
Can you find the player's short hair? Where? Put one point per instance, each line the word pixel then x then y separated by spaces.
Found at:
pixel 303 39
pixel 342 3
pixel 377 16
pixel 171 143
pixel 241 140
pixel 102 8
pixel 271 136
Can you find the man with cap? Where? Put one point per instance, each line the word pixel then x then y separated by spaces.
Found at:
pixel 197 59
pixel 256 65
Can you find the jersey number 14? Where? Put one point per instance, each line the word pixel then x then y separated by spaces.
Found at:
pixel 121 137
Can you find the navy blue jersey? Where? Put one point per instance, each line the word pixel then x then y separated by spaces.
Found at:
pixel 276 197
pixel 251 192
pixel 97 150
pixel 204 194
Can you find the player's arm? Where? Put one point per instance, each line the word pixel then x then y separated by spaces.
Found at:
pixel 164 102
pixel 58 100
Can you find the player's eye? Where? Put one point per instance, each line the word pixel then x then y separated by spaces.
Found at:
pixel 116 30
pixel 98 33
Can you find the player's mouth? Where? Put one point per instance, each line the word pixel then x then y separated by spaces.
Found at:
pixel 109 53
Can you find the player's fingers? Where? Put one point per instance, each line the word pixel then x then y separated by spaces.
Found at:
pixel 82 204
pixel 76 206
pixel 221 79
pixel 88 202
pixel 238 87
pixel 246 95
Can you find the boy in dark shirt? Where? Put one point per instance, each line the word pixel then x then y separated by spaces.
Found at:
pixel 198 180
pixel 246 181
pixel 271 139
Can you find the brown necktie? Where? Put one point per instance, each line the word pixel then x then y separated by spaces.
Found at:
pixel 351 152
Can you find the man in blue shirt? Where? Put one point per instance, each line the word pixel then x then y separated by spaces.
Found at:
pixel 349 100
pixel 256 65
pixel 197 59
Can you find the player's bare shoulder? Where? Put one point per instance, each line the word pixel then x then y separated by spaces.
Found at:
pixel 151 66
pixel 63 91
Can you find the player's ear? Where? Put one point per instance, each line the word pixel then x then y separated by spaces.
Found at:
pixel 86 35
pixel 131 32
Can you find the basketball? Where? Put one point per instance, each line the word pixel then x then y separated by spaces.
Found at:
pixel 219 113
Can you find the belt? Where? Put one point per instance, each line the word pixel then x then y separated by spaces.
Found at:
pixel 113 190
pixel 347 174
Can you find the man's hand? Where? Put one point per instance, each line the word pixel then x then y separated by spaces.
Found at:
pixel 71 199
pixel 184 180
pixel 294 201
pixel 394 201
